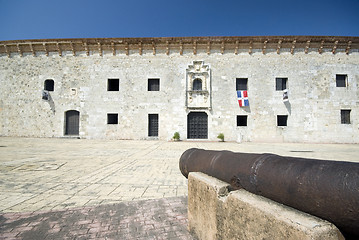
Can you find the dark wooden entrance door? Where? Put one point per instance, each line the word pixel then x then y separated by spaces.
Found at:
pixel 153 125
pixel 72 122
pixel 197 125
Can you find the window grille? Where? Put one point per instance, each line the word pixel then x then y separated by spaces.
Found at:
pixel 197 85
pixel 341 80
pixel 154 84
pixel 281 84
pixel 345 116
pixel 112 118
pixel 282 120
pixel 49 85
pixel 113 85
pixel 153 125
pixel 241 120
pixel 241 84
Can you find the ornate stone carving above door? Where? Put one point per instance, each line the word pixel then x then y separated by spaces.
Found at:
pixel 198 86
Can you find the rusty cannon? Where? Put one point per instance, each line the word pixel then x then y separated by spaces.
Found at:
pixel 326 189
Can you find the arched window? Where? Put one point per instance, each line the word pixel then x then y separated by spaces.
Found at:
pixel 49 85
pixel 197 85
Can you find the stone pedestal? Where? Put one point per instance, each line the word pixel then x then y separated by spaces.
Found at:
pixel 216 213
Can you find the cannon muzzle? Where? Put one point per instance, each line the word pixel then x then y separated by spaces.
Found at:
pixel 326 189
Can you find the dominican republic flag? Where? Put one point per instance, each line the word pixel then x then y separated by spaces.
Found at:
pixel 242 98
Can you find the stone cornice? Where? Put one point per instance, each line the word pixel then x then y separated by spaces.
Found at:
pixel 195 45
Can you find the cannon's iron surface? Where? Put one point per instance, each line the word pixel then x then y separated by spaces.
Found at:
pixel 326 189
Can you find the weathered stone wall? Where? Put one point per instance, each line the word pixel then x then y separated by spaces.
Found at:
pixel 81 84
pixel 215 213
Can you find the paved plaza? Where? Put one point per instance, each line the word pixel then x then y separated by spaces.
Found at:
pixel 79 188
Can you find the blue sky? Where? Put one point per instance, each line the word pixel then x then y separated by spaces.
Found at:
pixel 39 19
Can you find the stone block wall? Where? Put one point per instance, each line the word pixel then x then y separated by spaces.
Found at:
pixel 80 83
pixel 216 213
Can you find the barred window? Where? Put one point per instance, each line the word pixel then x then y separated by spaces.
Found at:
pixel 341 80
pixel 112 118
pixel 282 120
pixel 49 85
pixel 153 125
pixel 153 84
pixel 241 84
pixel 281 84
pixel 197 85
pixel 345 116
pixel 241 120
pixel 113 84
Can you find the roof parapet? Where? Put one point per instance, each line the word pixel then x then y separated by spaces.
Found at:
pixel 178 44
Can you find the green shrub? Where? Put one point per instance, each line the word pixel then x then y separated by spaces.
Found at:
pixel 221 137
pixel 176 136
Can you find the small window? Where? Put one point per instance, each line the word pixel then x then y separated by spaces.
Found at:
pixel 73 91
pixel 112 118
pixel 49 85
pixel 345 116
pixel 341 80
pixel 113 85
pixel 241 84
pixel 154 84
pixel 281 84
pixel 241 120
pixel 197 85
pixel 282 120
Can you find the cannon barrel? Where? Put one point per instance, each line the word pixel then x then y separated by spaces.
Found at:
pixel 326 189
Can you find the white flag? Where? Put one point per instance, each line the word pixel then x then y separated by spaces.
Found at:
pixel 45 95
pixel 285 95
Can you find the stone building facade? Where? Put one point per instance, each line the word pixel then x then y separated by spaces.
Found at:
pixel 150 88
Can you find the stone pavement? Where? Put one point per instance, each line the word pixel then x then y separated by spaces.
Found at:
pixel 49 183
pixel 147 219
